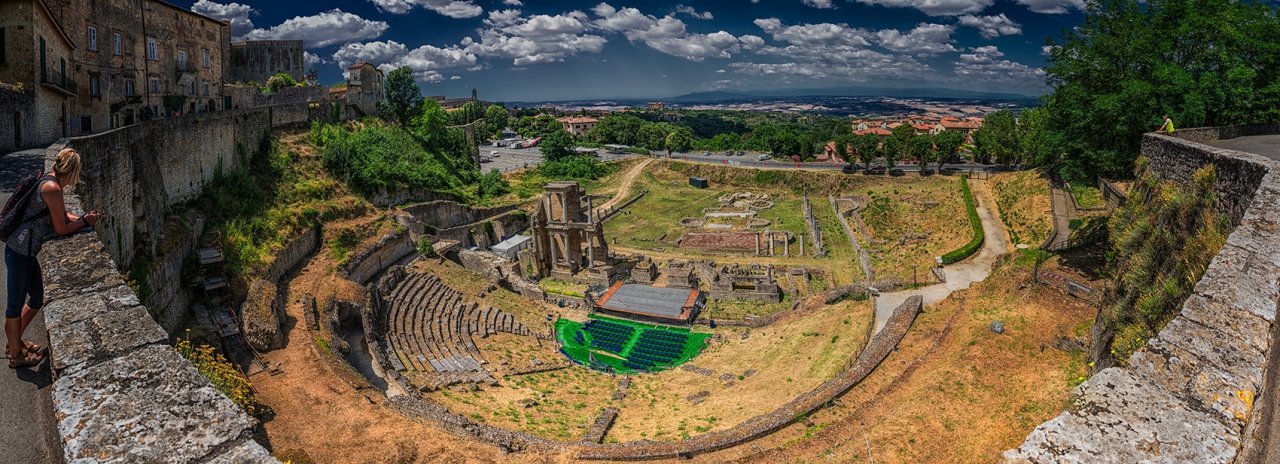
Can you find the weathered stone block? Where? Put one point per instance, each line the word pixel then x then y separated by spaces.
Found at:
pixel 250 452
pixel 72 309
pixel 104 336
pixel 1245 328
pixel 1238 279
pixel 260 314
pixel 1119 418
pixel 150 405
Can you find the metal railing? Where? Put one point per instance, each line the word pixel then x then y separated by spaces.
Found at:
pixel 57 79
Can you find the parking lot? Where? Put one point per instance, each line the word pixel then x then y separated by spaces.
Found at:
pixel 510 159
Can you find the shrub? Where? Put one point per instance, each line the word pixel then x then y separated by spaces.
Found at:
pixel 222 374
pixel 974 244
pixel 1075 224
pixel 426 248
pixel 493 184
pixel 574 168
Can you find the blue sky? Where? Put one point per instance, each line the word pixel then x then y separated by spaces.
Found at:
pixel 527 50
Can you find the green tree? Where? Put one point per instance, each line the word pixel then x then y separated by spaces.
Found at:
pixel 922 150
pixel 891 151
pixel 496 117
pixel 998 138
pixel 867 147
pixel 556 146
pixel 1039 142
pixel 403 97
pixel 948 143
pixel 429 123
pixel 1203 62
pixel 680 139
pixel 279 81
pixel 652 137
pixel 493 184
pixel 902 137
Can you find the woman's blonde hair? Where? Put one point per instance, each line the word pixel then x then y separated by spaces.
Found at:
pixel 67 167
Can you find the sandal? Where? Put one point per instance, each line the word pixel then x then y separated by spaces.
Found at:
pixel 28 359
pixel 32 347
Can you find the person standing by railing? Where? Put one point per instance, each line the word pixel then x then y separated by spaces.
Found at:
pixel 43 217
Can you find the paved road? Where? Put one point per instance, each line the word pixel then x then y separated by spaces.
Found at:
pixel 1265 145
pixel 1061 221
pixel 27 425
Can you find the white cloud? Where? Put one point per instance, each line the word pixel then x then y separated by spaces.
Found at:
pixel 1053 6
pixel 312 59
pixel 667 34
pixel 819 3
pixel 538 39
pixel 982 66
pixel 321 30
pixel 426 61
pixel 476 68
pixel 815 34
pixel 751 42
pixel 692 12
pixel 454 78
pixel 237 13
pixel 992 26
pixel 987 50
pixel 1046 50
pixel 940 7
pixel 925 40
pixel 512 2
pixel 719 71
pixel 451 8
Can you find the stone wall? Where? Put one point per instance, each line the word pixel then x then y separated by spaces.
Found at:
pixel 1188 395
pixel 19 105
pixel 293 254
pixel 247 96
pixel 122 393
pixel 170 299
pixel 366 263
pixel 132 174
pixel 444 214
pixel 259 60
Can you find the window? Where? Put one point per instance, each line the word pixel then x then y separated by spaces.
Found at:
pixel 128 88
pixel 86 124
pixel 151 49
pixel 206 89
pixel 182 61
pixel 118 50
pixel 166 86
pixel 93 38
pixel 288 64
pixel 273 65
pixel 93 86
pixel 193 87
pixel 155 110
pixel 206 57
pixel 155 85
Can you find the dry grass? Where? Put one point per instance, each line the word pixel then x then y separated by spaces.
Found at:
pixel 898 209
pixel 1023 200
pixel 963 395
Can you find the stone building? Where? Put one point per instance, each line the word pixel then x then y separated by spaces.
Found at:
pixel 37 62
pixel 141 57
pixel 455 103
pixel 259 60
pixel 578 125
pixel 568 244
pixel 657 106
pixel 364 87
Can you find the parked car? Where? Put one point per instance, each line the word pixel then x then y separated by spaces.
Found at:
pixel 848 169
pixel 706 153
pixel 494 154
pixel 762 158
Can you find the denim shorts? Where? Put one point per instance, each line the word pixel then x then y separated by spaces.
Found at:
pixel 25 283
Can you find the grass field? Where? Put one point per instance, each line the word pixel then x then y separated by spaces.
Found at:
pixel 898 216
pixel 1023 200
pixel 1087 196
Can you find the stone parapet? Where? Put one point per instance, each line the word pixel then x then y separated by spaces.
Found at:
pixel 122 393
pixel 1188 395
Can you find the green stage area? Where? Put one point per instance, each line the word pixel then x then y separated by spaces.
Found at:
pixel 626 347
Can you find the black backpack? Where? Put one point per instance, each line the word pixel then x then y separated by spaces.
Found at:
pixel 10 216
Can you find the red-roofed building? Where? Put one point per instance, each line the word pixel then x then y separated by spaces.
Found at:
pixel 875 130
pixel 578 125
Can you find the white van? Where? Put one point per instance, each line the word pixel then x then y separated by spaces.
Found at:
pixel 762 158
pixel 494 154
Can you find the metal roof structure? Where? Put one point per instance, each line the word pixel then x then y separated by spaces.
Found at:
pixel 645 300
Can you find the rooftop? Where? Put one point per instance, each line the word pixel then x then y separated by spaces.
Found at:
pixel 645 300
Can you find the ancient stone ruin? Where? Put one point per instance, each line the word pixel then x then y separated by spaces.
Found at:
pixel 568 244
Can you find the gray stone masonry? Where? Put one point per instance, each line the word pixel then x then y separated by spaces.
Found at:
pixel 1188 395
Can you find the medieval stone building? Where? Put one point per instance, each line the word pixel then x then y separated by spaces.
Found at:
pixel 568 244
pixel 364 87
pixel 36 65
pixel 260 60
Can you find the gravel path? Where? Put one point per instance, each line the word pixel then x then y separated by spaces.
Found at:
pixel 625 188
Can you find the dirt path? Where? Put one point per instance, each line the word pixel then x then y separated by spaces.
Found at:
pixel 962 274
pixel 625 187
pixel 1061 222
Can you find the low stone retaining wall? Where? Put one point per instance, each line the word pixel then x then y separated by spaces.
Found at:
pixel 601 426
pixel 292 255
pixel 1188 395
pixel 368 262
pixel 615 211
pixel 864 259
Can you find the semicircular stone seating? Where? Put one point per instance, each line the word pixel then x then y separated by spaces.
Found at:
pixel 430 330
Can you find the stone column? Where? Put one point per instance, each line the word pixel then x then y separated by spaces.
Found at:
pixel 591 251
pixel 786 247
pixel 801 244
pixel 770 234
pixel 591 210
pixel 564 207
pixel 757 244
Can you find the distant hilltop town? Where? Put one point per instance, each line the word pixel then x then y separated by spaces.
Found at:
pixel 80 67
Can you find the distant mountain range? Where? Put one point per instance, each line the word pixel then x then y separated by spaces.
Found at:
pixel 725 95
